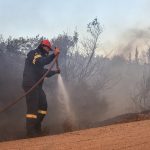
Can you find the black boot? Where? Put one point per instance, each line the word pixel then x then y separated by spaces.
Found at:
pixel 31 127
pixel 38 127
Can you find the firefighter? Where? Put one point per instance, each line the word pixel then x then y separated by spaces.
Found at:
pixel 36 99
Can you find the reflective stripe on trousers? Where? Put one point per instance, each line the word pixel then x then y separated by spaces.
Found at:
pixel 32 116
pixel 43 112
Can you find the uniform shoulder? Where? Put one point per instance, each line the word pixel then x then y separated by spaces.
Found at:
pixel 31 52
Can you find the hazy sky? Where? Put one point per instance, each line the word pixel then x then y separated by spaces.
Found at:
pixel 52 17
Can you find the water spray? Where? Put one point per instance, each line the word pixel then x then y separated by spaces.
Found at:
pixel 67 113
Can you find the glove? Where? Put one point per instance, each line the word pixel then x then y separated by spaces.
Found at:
pixel 56 51
pixel 58 71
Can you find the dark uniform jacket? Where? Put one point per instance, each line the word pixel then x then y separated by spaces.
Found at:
pixel 34 67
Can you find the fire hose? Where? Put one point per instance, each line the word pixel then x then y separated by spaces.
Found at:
pixel 55 61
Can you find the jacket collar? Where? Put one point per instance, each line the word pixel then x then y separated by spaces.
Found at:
pixel 38 50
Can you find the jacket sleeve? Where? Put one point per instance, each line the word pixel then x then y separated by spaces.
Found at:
pixel 51 73
pixel 43 60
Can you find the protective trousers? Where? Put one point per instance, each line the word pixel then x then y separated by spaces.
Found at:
pixel 36 110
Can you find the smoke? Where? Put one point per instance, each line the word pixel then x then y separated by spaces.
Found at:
pixel 10 86
pixel 84 105
pixel 129 74
pixel 132 39
pixel 103 95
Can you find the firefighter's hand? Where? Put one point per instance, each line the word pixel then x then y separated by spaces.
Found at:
pixel 58 71
pixel 56 51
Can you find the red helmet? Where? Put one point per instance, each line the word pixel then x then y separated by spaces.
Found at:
pixel 46 43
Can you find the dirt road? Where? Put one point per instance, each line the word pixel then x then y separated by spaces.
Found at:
pixel 129 136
